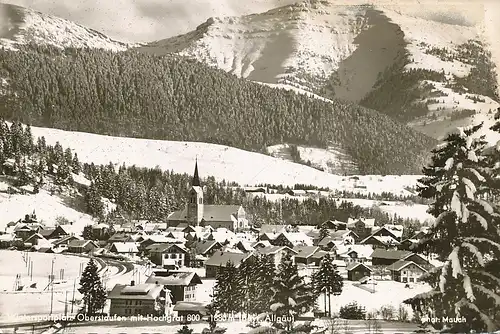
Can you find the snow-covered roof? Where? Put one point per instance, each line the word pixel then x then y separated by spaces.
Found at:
pixel 363 251
pixel 369 222
pixel 125 247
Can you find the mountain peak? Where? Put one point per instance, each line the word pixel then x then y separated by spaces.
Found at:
pixel 19 25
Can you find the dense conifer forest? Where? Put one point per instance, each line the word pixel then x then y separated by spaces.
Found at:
pixel 138 95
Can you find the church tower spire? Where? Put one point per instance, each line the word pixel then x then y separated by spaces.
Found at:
pixel 196 178
pixel 195 209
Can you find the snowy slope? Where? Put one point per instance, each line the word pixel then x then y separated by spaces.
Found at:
pixel 269 46
pixel 222 162
pixel 423 36
pixel 19 25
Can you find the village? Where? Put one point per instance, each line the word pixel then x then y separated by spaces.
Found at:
pixel 181 257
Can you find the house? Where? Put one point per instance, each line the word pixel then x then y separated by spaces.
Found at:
pixel 222 235
pixel 64 241
pixel 355 253
pixel 408 244
pixel 81 246
pixel 24 231
pixel 205 248
pixel 244 246
pixel 388 257
pixel 297 192
pixel 196 212
pixel 305 253
pixel 380 241
pixel 36 239
pixel 141 299
pixel 317 257
pixel 329 244
pixel 260 244
pixel 357 270
pixel 181 284
pixel 406 271
pixel 124 248
pixel 268 236
pixel 220 259
pixel 362 227
pixel 193 310
pixel 335 225
pixel 149 240
pixel 158 253
pixel 276 253
pixel 52 233
pixel 291 239
pixel 386 232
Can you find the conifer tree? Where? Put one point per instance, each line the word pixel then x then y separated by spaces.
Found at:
pixel 328 281
pixel 94 295
pixel 291 296
pixel 226 296
pixel 323 232
pixel 262 284
pixel 75 164
pixel 465 235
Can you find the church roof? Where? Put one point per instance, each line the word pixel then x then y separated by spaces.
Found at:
pixel 210 213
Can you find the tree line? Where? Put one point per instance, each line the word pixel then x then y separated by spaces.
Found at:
pixel 165 97
pixel 257 287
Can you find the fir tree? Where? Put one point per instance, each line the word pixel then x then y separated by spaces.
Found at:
pixel 75 165
pixel 261 284
pixel 226 297
pixel 465 235
pixel 93 199
pixel 323 232
pixel 87 233
pixel 328 281
pixel 94 295
pixel 185 330
pixel 291 296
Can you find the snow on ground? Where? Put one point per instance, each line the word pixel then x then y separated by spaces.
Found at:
pixel 332 160
pixel 295 89
pixel 47 207
pixel 435 34
pixel 47 29
pixel 281 41
pixel 222 162
pixel 431 62
pixel 386 293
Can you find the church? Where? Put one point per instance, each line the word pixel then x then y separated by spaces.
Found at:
pixel 197 213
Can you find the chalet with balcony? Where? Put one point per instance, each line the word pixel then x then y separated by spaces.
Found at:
pixel 181 284
pixel 406 271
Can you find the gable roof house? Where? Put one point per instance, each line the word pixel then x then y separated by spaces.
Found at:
pixel 52 232
pixel 37 240
pixel 124 248
pixel 244 246
pixel 406 271
pixel 358 270
pixel 305 254
pixel 377 241
pixel 292 239
pixel 395 230
pixel 196 212
pixel 120 237
pixel 361 226
pixel 220 260
pixel 388 257
pixel 141 299
pixel 335 225
pixel 81 246
pixel 64 241
pixel 355 253
pixel 275 229
pixel 276 253
pixel 181 284
pixel 408 244
pixel 160 254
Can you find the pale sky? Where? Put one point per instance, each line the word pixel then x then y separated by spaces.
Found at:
pixel 149 20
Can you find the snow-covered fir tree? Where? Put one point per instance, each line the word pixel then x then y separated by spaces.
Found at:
pixel 291 295
pixel 226 294
pixel 327 281
pixel 94 295
pixel 465 235
pixel 263 279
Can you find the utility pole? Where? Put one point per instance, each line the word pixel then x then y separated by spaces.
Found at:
pixel 52 286
pixel 73 298
pixel 66 304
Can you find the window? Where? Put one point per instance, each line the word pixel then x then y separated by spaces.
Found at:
pixel 404 272
pixel 200 201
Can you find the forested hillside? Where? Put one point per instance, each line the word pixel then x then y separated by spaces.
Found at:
pixel 137 95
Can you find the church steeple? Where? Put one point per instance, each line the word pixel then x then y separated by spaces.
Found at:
pixel 196 178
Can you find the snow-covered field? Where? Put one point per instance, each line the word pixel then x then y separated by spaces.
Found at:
pixel 47 29
pixel 47 207
pixel 222 162
pixel 331 160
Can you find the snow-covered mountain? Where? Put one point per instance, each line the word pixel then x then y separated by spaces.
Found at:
pixel 349 52
pixel 19 25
